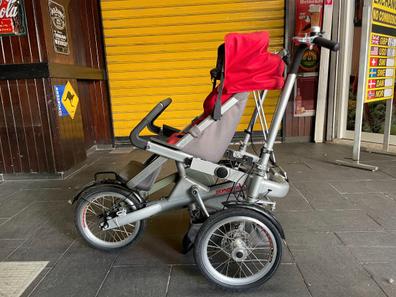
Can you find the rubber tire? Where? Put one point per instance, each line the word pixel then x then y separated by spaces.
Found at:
pixel 82 201
pixel 221 215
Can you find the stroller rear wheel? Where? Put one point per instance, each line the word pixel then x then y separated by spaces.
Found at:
pixel 238 249
pixel 99 204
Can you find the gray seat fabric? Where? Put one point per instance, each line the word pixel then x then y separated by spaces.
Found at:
pixel 211 144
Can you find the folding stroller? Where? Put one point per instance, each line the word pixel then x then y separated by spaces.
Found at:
pixel 237 241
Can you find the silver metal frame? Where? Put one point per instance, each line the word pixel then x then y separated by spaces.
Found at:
pixel 266 185
pixel 258 184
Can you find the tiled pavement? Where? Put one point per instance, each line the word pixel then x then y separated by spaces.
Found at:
pixel 340 225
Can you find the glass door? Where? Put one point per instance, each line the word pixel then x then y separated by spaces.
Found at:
pixel 374 113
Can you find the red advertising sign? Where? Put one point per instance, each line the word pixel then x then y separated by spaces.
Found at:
pixel 307 13
pixel 12 17
pixel 309 16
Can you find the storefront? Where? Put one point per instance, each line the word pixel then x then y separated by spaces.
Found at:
pixel 51 53
pixel 344 111
pixel 77 75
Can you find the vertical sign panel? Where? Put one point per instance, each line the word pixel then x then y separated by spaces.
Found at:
pixel 382 53
pixel 59 27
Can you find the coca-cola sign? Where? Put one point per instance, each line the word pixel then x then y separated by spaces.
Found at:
pixel 12 17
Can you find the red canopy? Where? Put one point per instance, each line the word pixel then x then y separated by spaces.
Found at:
pixel 248 67
pixel 248 64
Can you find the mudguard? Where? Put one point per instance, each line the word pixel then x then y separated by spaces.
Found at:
pixel 262 211
pixel 94 185
pixel 189 237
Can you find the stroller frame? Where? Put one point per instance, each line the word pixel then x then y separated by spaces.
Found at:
pixel 262 185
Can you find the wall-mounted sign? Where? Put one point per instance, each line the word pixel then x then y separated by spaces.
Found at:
pixel 382 52
pixel 309 15
pixel 59 27
pixel 67 100
pixel 12 17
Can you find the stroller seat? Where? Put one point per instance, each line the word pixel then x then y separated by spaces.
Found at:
pixel 209 142
pixel 243 65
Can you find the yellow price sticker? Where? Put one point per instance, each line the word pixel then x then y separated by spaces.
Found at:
pixel 70 100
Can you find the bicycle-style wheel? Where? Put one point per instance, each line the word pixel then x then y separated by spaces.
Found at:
pixel 238 249
pixel 99 204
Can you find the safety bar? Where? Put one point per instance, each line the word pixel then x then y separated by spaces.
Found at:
pixel 134 137
pixel 329 44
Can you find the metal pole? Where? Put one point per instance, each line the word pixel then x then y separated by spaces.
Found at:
pixel 361 94
pixel 388 124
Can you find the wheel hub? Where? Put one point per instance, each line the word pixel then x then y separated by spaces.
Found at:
pixel 239 251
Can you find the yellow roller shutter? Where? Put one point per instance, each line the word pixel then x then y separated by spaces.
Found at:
pixel 165 48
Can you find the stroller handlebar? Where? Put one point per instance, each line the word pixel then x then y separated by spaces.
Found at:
pixel 317 39
pixel 326 43
pixel 134 137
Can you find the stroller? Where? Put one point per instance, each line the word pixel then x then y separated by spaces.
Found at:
pixel 236 239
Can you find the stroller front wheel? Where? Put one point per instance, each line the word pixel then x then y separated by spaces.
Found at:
pixel 238 249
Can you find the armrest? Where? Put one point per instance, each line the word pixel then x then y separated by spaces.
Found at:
pixel 164 143
pixel 168 130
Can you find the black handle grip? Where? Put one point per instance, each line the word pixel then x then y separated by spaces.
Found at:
pixel 329 44
pixel 134 137
pixel 153 127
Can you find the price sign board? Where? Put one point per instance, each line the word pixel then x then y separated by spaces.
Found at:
pixel 380 78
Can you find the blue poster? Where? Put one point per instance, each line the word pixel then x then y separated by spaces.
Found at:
pixel 59 90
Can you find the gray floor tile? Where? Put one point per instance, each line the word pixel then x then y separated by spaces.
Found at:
pixel 23 224
pixel 36 282
pixel 369 239
pixel 322 195
pixel 376 254
pixel 8 246
pixel 155 249
pixel 23 198
pixel 287 257
pixel 293 201
pixel 7 189
pixel 348 220
pixel 136 281
pixel 312 239
pixel 47 244
pixel 80 272
pixel 381 207
pixel 187 281
pixel 333 272
pixel 26 222
pixel 301 221
pixel 383 273
pixel 364 186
